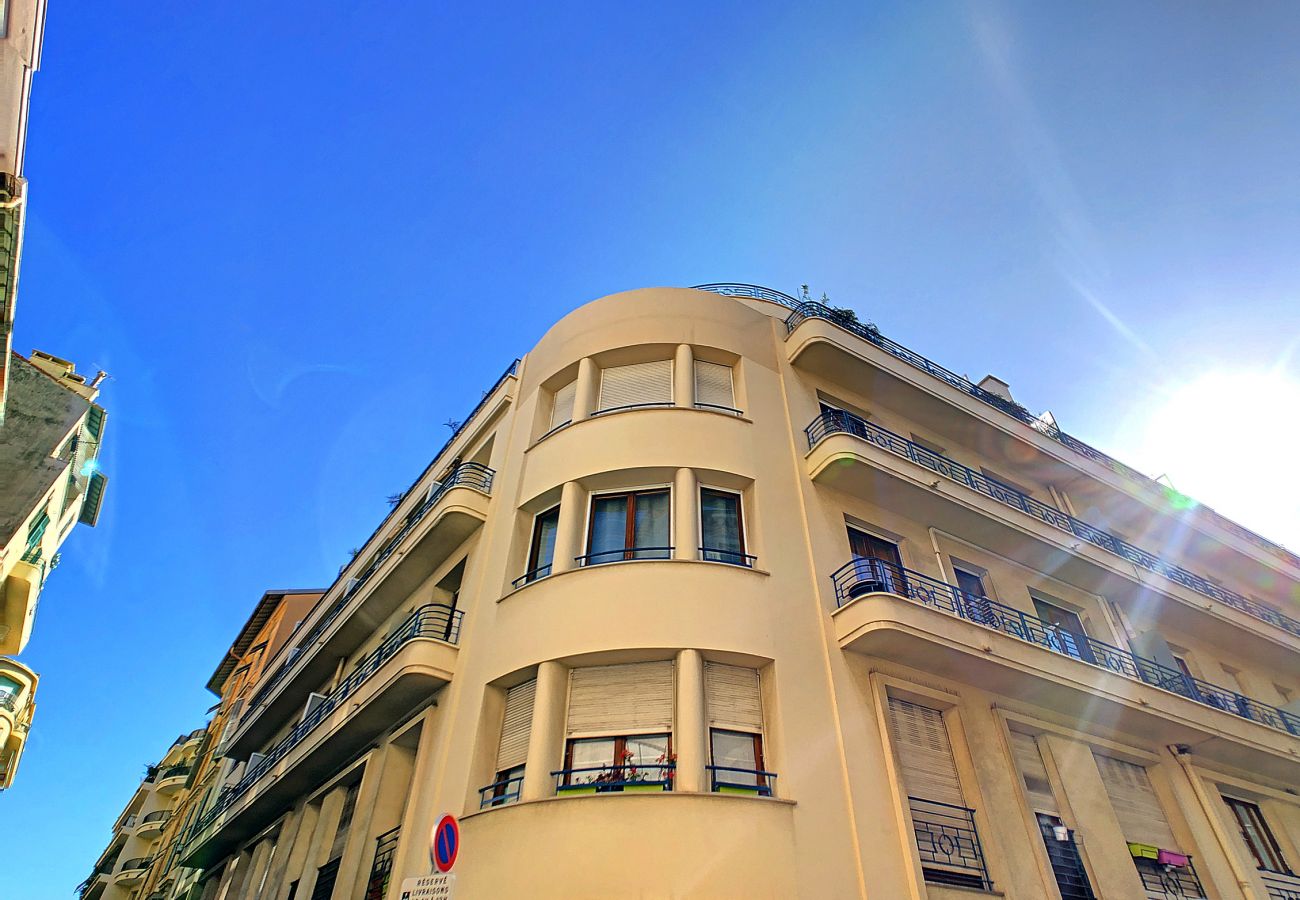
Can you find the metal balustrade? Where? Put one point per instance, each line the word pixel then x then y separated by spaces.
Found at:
pixel 157 815
pixel 612 779
pixel 531 576
pixel 433 620
pixel 730 780
pixel 174 771
pixel 803 310
pixel 863 576
pixel 499 793
pixel 841 422
pixel 381 870
pixel 1281 885
pixel 619 554
pixel 1169 882
pixel 949 844
pixel 731 557
pixel 140 862
pixel 8 701
pixel 466 474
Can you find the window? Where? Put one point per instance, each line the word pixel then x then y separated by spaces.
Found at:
pixel 628 526
pixel 713 386
pixel 615 763
pixel 1255 832
pixel 880 567
pixel 737 758
pixel 512 752
pixel 562 405
pixel 1064 630
pixel 1134 800
pixel 735 709
pixel 642 384
pixel 722 532
pixel 9 690
pixel 541 552
pixel 969 582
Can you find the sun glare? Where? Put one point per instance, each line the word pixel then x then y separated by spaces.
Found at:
pixel 1230 440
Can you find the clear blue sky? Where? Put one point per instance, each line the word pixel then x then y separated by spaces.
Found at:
pixel 301 236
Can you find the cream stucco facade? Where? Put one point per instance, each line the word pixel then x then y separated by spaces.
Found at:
pixel 719 593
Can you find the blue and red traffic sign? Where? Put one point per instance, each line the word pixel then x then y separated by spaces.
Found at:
pixel 445 843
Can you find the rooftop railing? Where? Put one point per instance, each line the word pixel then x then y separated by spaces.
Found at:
pixel 433 620
pixel 841 422
pixel 802 310
pixel 863 576
pixel 467 474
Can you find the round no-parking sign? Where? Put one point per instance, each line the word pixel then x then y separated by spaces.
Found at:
pixel 444 843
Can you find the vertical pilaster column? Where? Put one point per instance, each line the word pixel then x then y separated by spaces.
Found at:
pixel 684 377
pixel 412 857
pixel 354 867
pixel 568 531
pixel 326 822
pixel 1115 875
pixel 546 733
pixel 686 515
pixel 587 389
pixel 689 740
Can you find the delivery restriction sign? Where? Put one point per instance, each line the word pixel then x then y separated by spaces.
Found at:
pixel 444 843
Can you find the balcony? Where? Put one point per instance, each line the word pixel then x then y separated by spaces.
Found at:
pixel 410 666
pixel 948 844
pixel 450 513
pixel 654 778
pixel 862 577
pixel 19 591
pixel 1166 882
pixel 1281 885
pixel 152 824
pixel 132 871
pixel 802 311
pixel 840 422
pixel 171 779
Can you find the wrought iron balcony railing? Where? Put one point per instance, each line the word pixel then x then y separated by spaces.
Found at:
pixel 841 422
pixel 867 576
pixel 500 793
pixel 8 700
pixel 732 557
pixel 623 553
pixel 949 844
pixel 174 771
pixel 734 780
pixel 158 815
pixel 140 862
pixel 610 779
pixel 468 474
pixel 433 620
pixel 381 870
pixel 802 310
pixel 1169 882
pixel 531 576
pixel 1281 885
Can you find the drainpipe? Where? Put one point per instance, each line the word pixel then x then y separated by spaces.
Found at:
pixel 1183 755
pixel 938 555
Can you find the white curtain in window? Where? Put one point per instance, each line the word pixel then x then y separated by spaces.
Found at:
pixel 634 385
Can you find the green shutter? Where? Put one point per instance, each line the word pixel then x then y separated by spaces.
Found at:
pixel 94 422
pixel 94 499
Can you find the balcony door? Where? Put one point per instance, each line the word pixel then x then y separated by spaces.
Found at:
pixel 1064 630
pixel 880 567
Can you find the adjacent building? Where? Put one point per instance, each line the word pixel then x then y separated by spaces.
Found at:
pixel 723 593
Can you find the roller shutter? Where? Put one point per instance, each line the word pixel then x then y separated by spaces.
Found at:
pixel 734 699
pixel 515 725
pixel 1029 762
pixel 635 385
pixel 1134 800
pixel 635 698
pixel 924 752
pixel 713 385
pixel 562 406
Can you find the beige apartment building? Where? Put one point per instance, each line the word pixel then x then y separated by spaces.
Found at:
pixel 722 593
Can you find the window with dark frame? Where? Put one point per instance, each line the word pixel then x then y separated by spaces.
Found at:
pixel 632 525
pixel 880 566
pixel 614 762
pixel 969 582
pixel 737 758
pixel 1257 835
pixel 722 527
pixel 505 785
pixel 1065 629
pixel 541 550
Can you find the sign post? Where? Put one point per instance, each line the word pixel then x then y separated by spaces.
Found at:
pixel 444 847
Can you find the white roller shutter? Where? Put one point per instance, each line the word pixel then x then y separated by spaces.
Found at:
pixel 713 384
pixel 650 382
pixel 636 698
pixel 562 404
pixel 734 700
pixel 1029 762
pixel 1135 803
pixel 925 753
pixel 515 725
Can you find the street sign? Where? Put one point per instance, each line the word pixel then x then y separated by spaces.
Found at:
pixel 444 843
pixel 429 887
